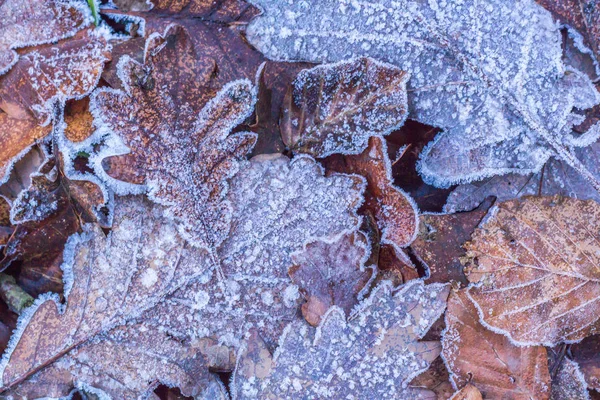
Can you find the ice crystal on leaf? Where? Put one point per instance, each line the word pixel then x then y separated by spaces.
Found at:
pixel 335 108
pixel 373 354
pixel 489 73
pixel 171 141
pixel 31 22
pixel 533 265
pixel 278 206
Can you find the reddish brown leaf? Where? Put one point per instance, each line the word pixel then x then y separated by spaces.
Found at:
pixel 469 392
pixel 498 368
pixel 395 211
pixel 535 265
pixel 336 108
pixel 331 274
pixel 569 382
pixel 395 265
pixel 78 120
pixel 436 379
pixel 587 355
pixel 27 23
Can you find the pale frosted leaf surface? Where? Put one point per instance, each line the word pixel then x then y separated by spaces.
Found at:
pixel 109 280
pixel 556 177
pixel 335 108
pixel 330 274
pixel 372 355
pixel 534 267
pixel 569 383
pixel 171 141
pixel 395 211
pixel 278 206
pixel 488 360
pixel 46 75
pixel 28 22
pixel 489 72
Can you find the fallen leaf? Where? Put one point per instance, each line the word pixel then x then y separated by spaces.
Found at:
pixel 569 383
pixel 169 140
pixel 488 360
pixel 225 11
pixel 533 265
pixel 28 23
pixel 329 274
pixel 586 354
pixel 336 108
pixel 279 206
pixel 438 245
pixel 436 379
pixel 469 392
pixel 394 210
pixel 395 265
pixel 47 75
pixel 372 354
pixel 475 68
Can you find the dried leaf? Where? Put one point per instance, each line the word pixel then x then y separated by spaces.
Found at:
pixel 372 355
pixel 28 23
pixel 336 108
pixel 489 361
pixel 396 213
pixel 224 11
pixel 534 263
pixel 48 75
pixel 170 141
pixel 436 379
pixel 94 338
pixel 279 206
pixel 329 274
pixel 569 383
pixel 556 177
pixel 587 354
pixel 469 392
pixel 476 68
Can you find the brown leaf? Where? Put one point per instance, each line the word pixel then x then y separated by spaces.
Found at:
pixel 436 379
pixel 394 210
pixel 439 242
pixel 498 368
pixel 47 75
pixel 469 392
pixel 78 120
pixel 336 108
pixel 534 263
pixel 587 355
pixel 177 145
pixel 569 383
pixel 331 274
pixel 27 23
pixel 371 355
pixel 395 265
pixel 224 11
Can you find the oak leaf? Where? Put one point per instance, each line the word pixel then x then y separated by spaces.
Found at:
pixel 330 274
pixel 488 360
pixel 475 68
pixel 533 264
pixel 279 207
pixel 372 354
pixel 170 141
pixel 28 23
pixel 336 108
pixel 395 212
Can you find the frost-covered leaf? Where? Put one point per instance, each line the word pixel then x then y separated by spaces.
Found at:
pixel 29 22
pixel 556 177
pixel 489 72
pixel 569 383
pixel 587 355
pixel 335 108
pixel 469 392
pixel 278 207
pixel 329 274
pixel 372 355
pixel 488 360
pixel 49 74
pixel 94 337
pixel 395 211
pixel 223 11
pixel 170 140
pixel 438 245
pixel 534 265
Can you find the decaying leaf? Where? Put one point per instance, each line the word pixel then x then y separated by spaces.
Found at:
pixel 28 23
pixel 336 108
pixel 93 338
pixel 469 392
pixel 395 212
pixel 488 360
pixel 436 379
pixel 170 141
pixel 586 354
pixel 329 274
pixel 476 68
pixel 53 74
pixel 533 263
pixel 569 383
pixel 372 355
pixel 556 177
pixel 279 206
